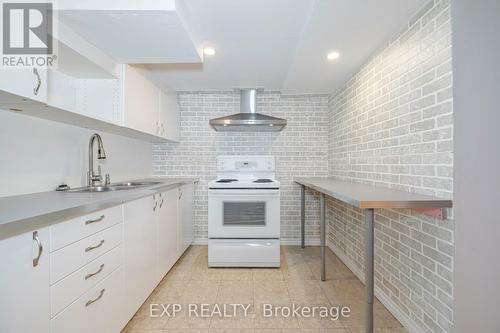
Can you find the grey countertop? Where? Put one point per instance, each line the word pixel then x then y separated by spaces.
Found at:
pixel 367 196
pixel 23 213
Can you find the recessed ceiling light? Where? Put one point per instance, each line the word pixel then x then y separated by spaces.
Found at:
pixel 333 55
pixel 209 51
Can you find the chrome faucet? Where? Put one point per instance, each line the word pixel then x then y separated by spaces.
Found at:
pixel 101 155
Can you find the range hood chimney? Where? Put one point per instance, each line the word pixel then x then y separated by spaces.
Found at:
pixel 248 120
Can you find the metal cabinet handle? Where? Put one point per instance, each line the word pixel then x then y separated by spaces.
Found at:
pixel 180 195
pixel 161 202
pixel 40 248
pixel 99 219
pixel 96 299
pixel 88 276
pixel 156 203
pixel 39 81
pixel 90 248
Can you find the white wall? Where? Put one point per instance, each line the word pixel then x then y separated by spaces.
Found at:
pixel 36 155
pixel 476 71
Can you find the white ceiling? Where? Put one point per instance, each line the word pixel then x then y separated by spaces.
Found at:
pixel 134 36
pixel 282 44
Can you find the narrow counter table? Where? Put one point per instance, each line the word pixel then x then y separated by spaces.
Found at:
pixel 367 198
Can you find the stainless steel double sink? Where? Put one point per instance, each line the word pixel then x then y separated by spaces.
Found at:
pixel 113 187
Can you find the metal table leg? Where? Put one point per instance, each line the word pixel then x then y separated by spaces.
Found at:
pixel 369 279
pixel 322 234
pixel 303 216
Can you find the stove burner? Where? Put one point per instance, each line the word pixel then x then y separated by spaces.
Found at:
pixel 265 180
pixel 226 180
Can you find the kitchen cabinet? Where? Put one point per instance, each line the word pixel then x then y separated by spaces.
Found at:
pixel 89 89
pixel 85 82
pixel 96 98
pixel 169 115
pixel 140 235
pixel 98 310
pixel 147 108
pixel 141 100
pixel 95 270
pixel 167 224
pixel 18 86
pixel 185 217
pixel 24 283
pixel 86 95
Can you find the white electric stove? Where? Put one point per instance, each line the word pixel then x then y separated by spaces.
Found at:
pixel 244 213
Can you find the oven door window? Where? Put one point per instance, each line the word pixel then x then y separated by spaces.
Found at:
pixel 244 214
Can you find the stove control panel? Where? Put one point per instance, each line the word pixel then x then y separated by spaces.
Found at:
pixel 245 163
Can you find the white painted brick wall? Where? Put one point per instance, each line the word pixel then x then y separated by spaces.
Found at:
pixel 391 125
pixel 301 150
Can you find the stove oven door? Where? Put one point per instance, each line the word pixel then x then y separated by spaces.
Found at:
pixel 244 213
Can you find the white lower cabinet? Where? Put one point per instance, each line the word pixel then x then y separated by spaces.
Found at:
pixel 140 251
pixel 185 217
pixel 98 269
pixel 24 283
pixel 98 310
pixel 86 273
pixel 72 287
pixel 167 224
pixel 74 256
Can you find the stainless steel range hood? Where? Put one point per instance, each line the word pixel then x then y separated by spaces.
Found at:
pixel 248 120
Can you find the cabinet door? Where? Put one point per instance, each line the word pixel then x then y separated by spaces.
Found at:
pixel 167 232
pixel 24 285
pixel 186 217
pixel 169 115
pixel 16 84
pixel 141 100
pixel 140 251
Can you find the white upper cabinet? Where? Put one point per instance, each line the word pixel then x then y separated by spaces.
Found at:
pixel 91 89
pixel 169 115
pixel 85 82
pixel 146 108
pixel 141 100
pixel 20 86
pixel 24 283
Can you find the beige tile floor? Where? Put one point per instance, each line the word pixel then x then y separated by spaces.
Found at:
pixel 296 281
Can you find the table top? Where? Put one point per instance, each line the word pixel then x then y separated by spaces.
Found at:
pixel 368 196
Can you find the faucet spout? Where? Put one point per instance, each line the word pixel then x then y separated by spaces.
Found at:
pixel 101 155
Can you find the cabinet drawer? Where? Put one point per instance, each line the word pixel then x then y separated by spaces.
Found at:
pixel 68 232
pixel 73 286
pixel 72 257
pixel 98 310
